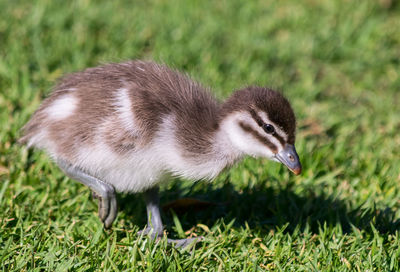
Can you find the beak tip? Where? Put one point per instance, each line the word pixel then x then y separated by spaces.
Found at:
pixel 296 171
pixel 288 156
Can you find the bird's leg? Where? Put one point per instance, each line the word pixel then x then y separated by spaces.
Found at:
pixel 154 223
pixel 103 191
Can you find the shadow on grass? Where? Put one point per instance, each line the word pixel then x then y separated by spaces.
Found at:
pixel 263 209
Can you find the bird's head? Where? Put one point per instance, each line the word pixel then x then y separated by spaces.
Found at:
pixel 260 122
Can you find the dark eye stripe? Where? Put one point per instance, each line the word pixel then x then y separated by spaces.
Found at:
pixel 259 137
pixel 280 139
pixel 260 122
pixel 256 117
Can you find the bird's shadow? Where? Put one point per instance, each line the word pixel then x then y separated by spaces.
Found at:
pixel 264 209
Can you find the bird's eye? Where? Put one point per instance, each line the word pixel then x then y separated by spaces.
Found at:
pixel 269 128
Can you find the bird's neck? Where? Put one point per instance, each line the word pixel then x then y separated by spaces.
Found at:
pixel 206 138
pixel 196 152
pixel 220 147
pixel 223 148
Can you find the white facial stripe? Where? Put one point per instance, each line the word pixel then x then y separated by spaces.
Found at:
pixel 62 107
pixel 249 120
pixel 241 139
pixel 278 130
pixel 253 124
pixel 271 138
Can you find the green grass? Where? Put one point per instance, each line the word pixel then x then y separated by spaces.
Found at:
pixel 338 62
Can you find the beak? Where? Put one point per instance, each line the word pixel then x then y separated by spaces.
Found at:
pixel 288 156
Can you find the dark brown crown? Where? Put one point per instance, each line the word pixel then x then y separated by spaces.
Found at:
pixel 274 104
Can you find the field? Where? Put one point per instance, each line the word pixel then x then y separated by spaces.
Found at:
pixel 338 62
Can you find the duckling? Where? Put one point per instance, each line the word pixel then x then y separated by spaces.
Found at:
pixel 128 127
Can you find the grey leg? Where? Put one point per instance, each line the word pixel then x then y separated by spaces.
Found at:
pixel 154 223
pixel 105 192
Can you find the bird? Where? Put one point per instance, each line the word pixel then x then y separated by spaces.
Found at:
pixel 129 127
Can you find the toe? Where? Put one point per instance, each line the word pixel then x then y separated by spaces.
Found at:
pixel 104 207
pixel 112 212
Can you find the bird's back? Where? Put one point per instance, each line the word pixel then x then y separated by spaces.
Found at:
pixel 122 105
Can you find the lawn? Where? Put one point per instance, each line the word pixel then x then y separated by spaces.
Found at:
pixel 338 62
